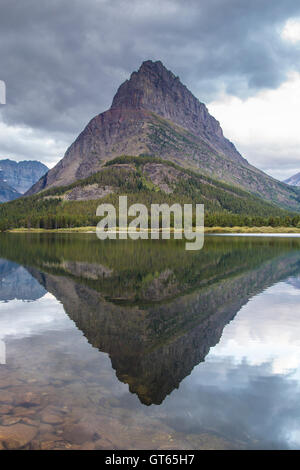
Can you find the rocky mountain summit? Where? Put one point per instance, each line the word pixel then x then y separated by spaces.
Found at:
pixel 153 113
pixel 157 89
pixel 293 180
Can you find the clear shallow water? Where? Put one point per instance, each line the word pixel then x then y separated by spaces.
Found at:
pixel 130 345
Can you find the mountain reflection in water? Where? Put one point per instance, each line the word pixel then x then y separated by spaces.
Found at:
pixel 154 308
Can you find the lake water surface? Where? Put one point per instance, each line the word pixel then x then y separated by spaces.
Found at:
pixel 143 345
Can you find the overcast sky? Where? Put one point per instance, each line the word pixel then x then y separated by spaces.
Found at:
pixel 63 60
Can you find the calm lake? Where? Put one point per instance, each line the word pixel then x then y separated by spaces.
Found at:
pixel 143 345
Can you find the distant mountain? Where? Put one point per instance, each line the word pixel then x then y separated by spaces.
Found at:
pixel 20 176
pixel 154 113
pixel 7 193
pixel 294 281
pixel 293 180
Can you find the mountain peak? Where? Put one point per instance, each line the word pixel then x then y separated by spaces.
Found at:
pixel 156 68
pixel 154 113
pixel 156 89
pixel 139 91
pixel 153 65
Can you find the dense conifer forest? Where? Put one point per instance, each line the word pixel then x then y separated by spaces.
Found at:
pixel 225 205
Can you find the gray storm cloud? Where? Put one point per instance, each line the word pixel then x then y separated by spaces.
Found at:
pixel 62 61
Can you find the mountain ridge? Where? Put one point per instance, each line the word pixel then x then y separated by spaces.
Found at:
pixel 293 180
pixel 21 175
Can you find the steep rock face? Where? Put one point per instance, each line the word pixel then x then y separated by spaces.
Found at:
pixel 108 135
pixel 157 89
pixel 154 113
pixel 293 180
pixel 21 175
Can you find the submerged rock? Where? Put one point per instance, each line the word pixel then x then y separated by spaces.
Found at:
pixel 17 435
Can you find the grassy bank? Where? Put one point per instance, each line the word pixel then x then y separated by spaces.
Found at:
pixel 207 230
pixel 252 230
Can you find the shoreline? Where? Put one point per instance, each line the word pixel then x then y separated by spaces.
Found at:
pixel 208 230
